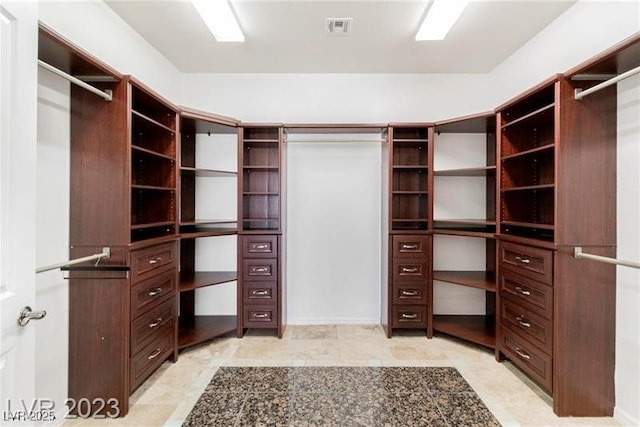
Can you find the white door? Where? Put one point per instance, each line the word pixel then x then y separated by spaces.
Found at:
pixel 18 123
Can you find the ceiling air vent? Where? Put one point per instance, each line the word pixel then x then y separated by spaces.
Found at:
pixel 339 25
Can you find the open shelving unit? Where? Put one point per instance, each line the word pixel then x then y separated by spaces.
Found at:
pixel 197 128
pixel 527 156
pixel 465 164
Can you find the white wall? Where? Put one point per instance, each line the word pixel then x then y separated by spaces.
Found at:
pixel 581 32
pixel 96 28
pixel 52 236
pixel 333 231
pixel 628 289
pixel 337 98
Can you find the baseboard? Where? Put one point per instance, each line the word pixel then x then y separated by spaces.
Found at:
pixel 333 321
pixel 624 418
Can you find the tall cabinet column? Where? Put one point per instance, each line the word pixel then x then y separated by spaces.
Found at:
pixel 260 228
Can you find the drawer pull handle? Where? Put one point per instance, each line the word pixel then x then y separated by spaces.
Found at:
pixel 155 260
pixel 524 292
pixel 409 269
pixel 410 247
pixel 155 354
pixel 260 246
pixel 259 315
pixel 260 269
pixel 523 322
pixel 260 293
pixel 523 354
pixel 409 316
pixel 523 260
pixel 156 323
pixel 154 292
pixel 410 293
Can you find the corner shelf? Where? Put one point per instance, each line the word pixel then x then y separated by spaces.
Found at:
pixel 485 280
pixel 194 330
pixel 200 279
pixel 477 329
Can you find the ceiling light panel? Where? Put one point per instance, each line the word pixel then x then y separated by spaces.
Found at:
pixel 220 19
pixel 442 15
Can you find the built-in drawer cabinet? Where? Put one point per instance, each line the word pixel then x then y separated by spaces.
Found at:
pixel 530 326
pixel 535 263
pixel 151 323
pixel 409 316
pixel 152 355
pixel 404 293
pixel 262 316
pixel 150 261
pixel 260 269
pixel 410 270
pixel 260 281
pixel 260 246
pixel 260 292
pixel 150 292
pixel 410 246
pixel 533 361
pixel 535 296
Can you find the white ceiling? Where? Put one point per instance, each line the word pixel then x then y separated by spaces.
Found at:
pixel 289 36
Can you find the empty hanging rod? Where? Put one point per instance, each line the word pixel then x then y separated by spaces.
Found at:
pixel 107 95
pixel 579 93
pixel 577 253
pixel 333 140
pixel 106 253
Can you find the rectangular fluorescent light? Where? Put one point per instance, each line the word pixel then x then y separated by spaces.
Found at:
pixel 219 17
pixel 440 18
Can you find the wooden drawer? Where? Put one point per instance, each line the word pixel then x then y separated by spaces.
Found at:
pixel 533 361
pixel 533 295
pixel 260 292
pixel 260 316
pixel 410 246
pixel 259 269
pixel 151 261
pixel 409 316
pixel 409 294
pixel 151 324
pixel 535 263
pixel 150 292
pixel 151 356
pixel 410 270
pixel 535 329
pixel 259 246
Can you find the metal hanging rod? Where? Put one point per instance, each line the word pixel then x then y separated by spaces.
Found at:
pixel 107 95
pixel 577 253
pixel 579 93
pixel 334 140
pixel 106 253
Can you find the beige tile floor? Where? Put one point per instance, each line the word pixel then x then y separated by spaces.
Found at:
pixel 168 395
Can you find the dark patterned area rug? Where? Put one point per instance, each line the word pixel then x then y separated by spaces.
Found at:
pixel 339 396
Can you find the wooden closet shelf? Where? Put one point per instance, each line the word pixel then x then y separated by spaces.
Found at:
pixel 152 224
pixel 149 120
pixel 476 171
pixel 198 329
pixel 152 188
pixel 485 280
pixel 530 115
pixel 538 225
pixel 200 279
pixel 152 153
pixel 531 151
pixel 477 329
pixel 530 188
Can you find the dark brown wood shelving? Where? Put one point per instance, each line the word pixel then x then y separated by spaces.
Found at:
pixel 190 280
pixel 533 115
pixel 529 151
pixel 207 173
pixel 144 117
pixel 485 280
pixel 198 329
pixel 478 171
pixel 477 329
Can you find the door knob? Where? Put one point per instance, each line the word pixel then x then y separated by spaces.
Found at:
pixel 27 314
